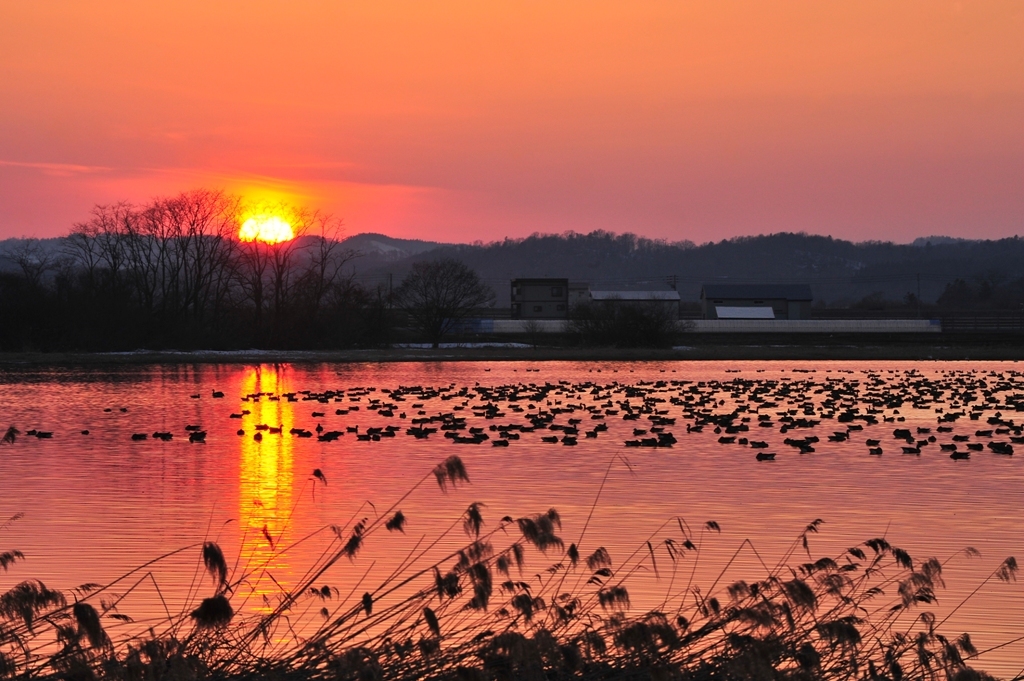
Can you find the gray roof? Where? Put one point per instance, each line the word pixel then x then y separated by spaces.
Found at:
pixel 634 295
pixel 759 291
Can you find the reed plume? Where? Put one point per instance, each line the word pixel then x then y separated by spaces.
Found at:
pixel 471 614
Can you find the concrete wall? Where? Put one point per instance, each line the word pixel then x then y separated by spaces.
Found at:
pixel 814 325
pixel 741 325
pixel 529 325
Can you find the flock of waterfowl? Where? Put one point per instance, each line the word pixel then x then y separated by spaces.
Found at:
pixel 969 409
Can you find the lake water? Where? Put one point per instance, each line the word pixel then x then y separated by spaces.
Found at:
pixel 95 506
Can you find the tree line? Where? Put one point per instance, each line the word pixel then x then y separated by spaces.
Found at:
pixel 173 274
pixel 840 272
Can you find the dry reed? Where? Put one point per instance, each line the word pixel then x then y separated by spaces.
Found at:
pixel 472 615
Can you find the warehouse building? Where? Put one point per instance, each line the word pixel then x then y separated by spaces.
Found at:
pixel 756 301
pixel 552 298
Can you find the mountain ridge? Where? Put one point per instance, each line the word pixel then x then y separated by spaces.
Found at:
pixel 839 271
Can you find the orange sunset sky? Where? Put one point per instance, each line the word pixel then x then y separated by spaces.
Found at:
pixel 463 121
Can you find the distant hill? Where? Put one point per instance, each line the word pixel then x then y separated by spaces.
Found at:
pixel 378 252
pixel 38 248
pixel 388 247
pixel 938 240
pixel 839 272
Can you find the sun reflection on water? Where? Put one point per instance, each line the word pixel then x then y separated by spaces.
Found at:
pixel 265 480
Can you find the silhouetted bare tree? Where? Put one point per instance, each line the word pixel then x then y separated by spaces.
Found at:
pixel 323 278
pixel 201 228
pixel 34 262
pixel 441 293
pixel 170 262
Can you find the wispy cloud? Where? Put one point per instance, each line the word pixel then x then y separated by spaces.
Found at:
pixel 59 169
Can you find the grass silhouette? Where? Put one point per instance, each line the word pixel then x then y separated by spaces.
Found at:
pixel 475 614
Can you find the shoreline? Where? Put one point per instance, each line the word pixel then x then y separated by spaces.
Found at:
pixel 732 347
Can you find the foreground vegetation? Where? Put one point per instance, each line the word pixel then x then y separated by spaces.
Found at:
pixel 478 613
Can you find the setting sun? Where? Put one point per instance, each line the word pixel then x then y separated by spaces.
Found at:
pixel 266 228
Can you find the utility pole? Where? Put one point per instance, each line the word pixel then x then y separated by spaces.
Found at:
pixel 672 280
pixel 918 295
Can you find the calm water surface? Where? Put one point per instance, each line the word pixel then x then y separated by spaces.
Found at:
pixel 96 506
